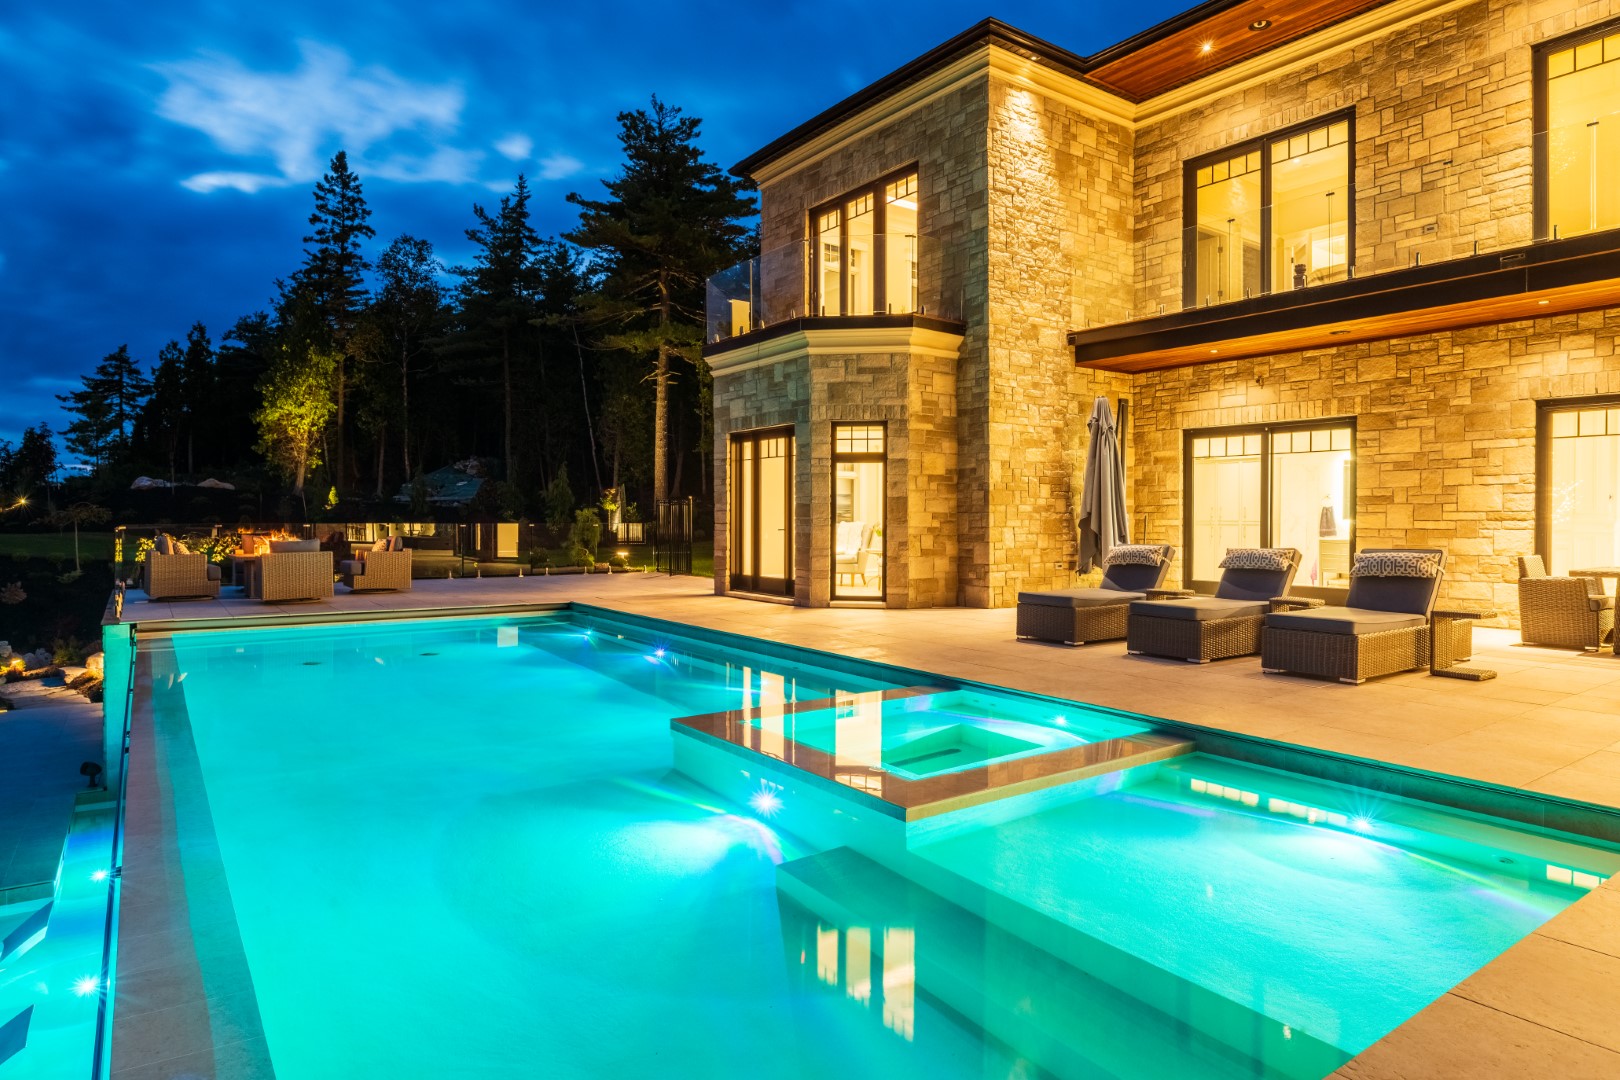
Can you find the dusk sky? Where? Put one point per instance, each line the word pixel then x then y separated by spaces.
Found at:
pixel 156 160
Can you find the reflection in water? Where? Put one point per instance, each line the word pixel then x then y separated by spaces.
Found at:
pixel 874 966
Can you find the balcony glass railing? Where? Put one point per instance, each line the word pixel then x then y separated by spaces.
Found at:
pixel 1301 243
pixel 882 274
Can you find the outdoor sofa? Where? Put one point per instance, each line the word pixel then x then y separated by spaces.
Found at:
pixel 1199 629
pixel 1077 616
pixel 385 565
pixel 1382 628
pixel 1569 612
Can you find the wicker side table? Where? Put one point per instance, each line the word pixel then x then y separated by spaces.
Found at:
pixel 1451 635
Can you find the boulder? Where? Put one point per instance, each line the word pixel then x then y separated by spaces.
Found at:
pixel 220 484
pixel 94 663
pixel 147 483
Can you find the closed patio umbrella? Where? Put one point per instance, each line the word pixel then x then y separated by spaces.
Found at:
pixel 1102 493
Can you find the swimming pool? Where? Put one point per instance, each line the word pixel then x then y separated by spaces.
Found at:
pixel 457 847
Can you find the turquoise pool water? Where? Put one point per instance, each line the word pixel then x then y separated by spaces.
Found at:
pixel 457 848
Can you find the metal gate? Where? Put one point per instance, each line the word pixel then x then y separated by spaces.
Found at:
pixel 672 538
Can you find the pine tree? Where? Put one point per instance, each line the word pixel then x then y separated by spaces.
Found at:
pixel 498 295
pixel 107 407
pixel 670 220
pixel 332 279
pixel 163 419
pixel 407 311
pixel 196 388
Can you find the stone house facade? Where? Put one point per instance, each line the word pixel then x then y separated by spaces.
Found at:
pixel 1068 249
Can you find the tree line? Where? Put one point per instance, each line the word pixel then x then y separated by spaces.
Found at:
pixel 555 360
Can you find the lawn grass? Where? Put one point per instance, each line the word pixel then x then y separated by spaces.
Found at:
pixel 93 546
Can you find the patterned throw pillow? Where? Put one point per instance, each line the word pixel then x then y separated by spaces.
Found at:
pixel 178 548
pixel 1134 554
pixel 1257 559
pixel 1419 564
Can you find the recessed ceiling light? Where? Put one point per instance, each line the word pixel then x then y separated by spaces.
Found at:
pixel 1207 47
pixel 1214 350
pixel 1543 301
pixel 1260 24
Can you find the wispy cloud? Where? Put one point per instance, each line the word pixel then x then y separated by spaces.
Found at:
pixel 515 147
pixel 294 118
pixel 559 166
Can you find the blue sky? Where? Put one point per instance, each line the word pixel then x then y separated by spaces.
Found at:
pixel 156 160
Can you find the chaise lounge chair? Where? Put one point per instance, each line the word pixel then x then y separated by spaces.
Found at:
pixel 1382 629
pixel 1204 628
pixel 1078 616
pixel 1568 612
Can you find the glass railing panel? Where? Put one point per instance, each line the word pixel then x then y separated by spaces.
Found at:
pixel 859 275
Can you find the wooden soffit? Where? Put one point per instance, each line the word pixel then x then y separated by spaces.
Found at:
pixel 1202 41
pixel 1555 278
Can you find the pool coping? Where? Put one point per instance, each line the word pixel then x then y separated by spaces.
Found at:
pixel 1500 1021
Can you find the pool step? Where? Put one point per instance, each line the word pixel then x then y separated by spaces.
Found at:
pixel 1066 1019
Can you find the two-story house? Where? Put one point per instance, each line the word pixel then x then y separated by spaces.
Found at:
pixel 1349 269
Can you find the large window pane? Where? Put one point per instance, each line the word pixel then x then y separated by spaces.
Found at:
pixel 900 246
pixel 1583 137
pixel 861 254
pixel 1585 526
pixel 773 508
pixel 1310 226
pixel 1228 230
pixel 829 263
pixel 1312 501
pixel 1225 504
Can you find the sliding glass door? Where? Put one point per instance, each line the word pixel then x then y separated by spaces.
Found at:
pixel 762 511
pixel 1273 486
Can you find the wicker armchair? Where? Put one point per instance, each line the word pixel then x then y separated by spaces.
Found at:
pixel 294 575
pixel 373 570
pixel 1569 612
pixel 1199 629
pixel 1383 627
pixel 1078 616
pixel 170 577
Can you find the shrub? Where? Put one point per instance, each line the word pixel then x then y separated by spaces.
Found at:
pixel 559 499
pixel 587 531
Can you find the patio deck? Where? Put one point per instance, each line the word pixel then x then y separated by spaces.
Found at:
pixel 1550 723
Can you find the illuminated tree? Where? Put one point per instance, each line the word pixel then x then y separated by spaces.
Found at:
pixel 297 407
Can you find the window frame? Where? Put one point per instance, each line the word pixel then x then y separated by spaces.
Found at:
pixel 1265 431
pixel 1541 213
pixel 1262 143
pixel 1545 408
pixel 837 458
pixel 880 265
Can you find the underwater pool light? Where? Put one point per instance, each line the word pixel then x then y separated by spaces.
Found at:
pixel 99 875
pixel 659 652
pixel 1361 823
pixel 87 985
pixel 766 802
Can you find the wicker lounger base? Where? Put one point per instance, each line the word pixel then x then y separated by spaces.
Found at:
pixel 1351 658
pixel 1071 626
pixel 1192 640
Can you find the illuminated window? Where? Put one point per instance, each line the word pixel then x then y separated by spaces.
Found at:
pixel 859 472
pixel 866 250
pixel 1578 126
pixel 1270 216
pixel 1579 486
pixel 1276 486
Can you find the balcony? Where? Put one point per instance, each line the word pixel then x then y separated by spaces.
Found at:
pixel 1300 290
pixel 877 281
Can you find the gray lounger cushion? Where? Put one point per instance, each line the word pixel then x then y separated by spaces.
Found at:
pixel 351 566
pixel 1198 608
pixel 1078 598
pixel 1344 620
pixel 1600 603
pixel 213 571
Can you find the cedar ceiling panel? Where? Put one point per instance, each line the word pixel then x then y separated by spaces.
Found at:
pixel 1179 58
